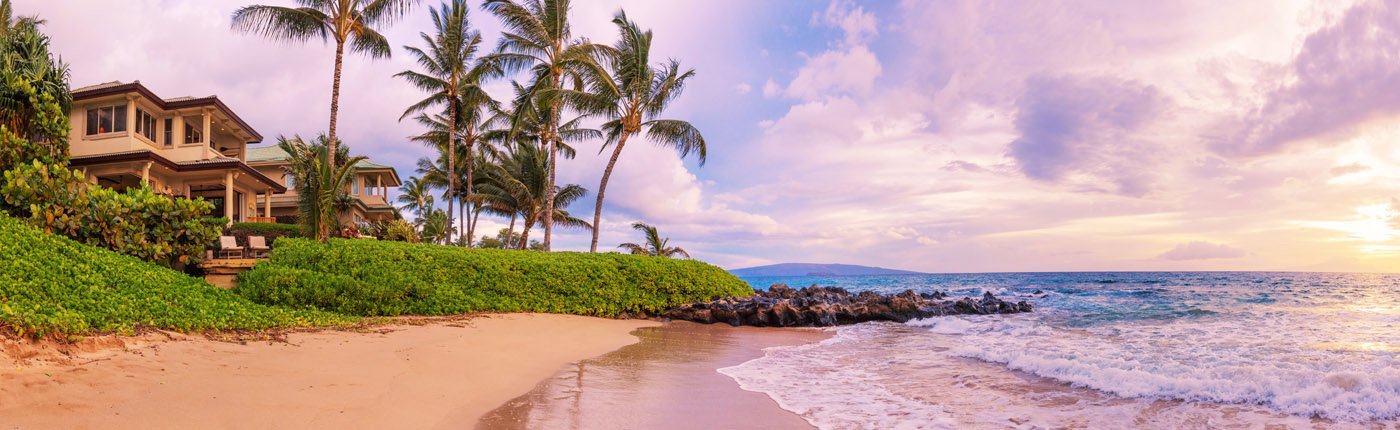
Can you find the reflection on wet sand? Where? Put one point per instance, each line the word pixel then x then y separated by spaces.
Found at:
pixel 668 380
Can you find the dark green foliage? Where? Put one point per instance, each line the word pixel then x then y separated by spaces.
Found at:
pixel 34 96
pixel 401 231
pixel 136 222
pixel 53 286
pixel 271 231
pixel 392 278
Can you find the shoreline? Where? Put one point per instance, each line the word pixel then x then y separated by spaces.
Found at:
pixel 669 379
pixel 434 375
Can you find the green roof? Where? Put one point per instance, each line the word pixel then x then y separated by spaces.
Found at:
pixel 274 153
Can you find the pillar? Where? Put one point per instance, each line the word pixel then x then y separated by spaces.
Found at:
pixel 267 203
pixel 228 197
pixel 205 118
pixel 177 136
pixel 146 173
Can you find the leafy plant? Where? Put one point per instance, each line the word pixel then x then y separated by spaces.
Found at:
pixel 271 231
pixel 136 222
pixel 654 246
pixel 401 231
pixel 394 278
pixel 52 286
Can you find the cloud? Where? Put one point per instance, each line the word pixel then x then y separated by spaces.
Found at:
pixel 854 21
pixel 1344 75
pixel 771 89
pixel 1201 251
pixel 743 88
pixel 1087 126
pixel 852 71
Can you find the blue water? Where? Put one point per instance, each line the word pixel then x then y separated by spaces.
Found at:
pixel 1225 348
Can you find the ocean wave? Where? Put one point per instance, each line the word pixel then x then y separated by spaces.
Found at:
pixel 1197 362
pixel 815 382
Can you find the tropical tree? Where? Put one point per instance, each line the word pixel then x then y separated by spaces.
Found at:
pixel 518 186
pixel 434 228
pixel 34 100
pixel 451 76
pixel 655 245
pixel 630 94
pixel 321 188
pixel 537 36
pixel 416 195
pixel 349 22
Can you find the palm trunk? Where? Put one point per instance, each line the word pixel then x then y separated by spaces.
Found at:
pixel 471 226
pixel 476 215
pixel 451 165
pixel 335 103
pixel 461 209
pixel 524 235
pixel 602 187
pixel 550 164
pixel 511 231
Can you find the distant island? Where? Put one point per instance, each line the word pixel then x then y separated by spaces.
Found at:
pixel 810 269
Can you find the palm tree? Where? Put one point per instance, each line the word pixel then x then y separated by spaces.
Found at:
pixel 452 81
pixel 630 95
pixel 517 186
pixel 434 227
pixel 321 189
pixel 537 36
pixel 344 21
pixel 655 245
pixel 416 195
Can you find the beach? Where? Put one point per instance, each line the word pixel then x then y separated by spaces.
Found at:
pixel 436 375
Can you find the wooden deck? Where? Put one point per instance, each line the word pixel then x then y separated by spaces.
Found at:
pixel 223 272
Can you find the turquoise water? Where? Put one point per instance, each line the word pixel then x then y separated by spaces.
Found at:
pixel 1220 348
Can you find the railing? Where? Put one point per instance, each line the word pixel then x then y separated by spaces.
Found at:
pixel 261 219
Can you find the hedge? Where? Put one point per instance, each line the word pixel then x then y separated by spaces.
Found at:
pixel 52 286
pixel 268 230
pixel 384 278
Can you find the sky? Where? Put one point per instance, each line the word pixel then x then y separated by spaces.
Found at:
pixel 930 135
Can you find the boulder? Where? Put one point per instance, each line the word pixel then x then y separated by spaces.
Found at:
pixel 816 306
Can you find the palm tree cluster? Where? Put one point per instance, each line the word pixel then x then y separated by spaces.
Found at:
pixel 321 181
pixel 654 245
pixel 501 157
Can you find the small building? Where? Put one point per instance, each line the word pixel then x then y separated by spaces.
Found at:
pixel 124 135
pixel 369 188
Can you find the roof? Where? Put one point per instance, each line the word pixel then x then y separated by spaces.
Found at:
pixel 188 166
pixel 274 153
pixel 118 87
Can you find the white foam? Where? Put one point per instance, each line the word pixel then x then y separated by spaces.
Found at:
pixel 943 325
pixel 1225 360
pixel 818 383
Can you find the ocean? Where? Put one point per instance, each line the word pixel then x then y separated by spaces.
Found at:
pixel 1105 350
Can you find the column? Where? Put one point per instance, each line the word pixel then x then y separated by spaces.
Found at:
pixel 131 115
pixel 177 136
pixel 205 118
pixel 146 173
pixel 228 197
pixel 267 203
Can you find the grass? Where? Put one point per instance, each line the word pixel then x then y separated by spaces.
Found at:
pixel 52 286
pixel 394 278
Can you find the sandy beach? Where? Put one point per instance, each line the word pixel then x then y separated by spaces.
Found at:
pixel 439 375
pixel 668 380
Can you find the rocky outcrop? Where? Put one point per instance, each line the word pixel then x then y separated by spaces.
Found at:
pixel 782 306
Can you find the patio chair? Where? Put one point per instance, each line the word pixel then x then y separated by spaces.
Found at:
pixel 257 247
pixel 228 247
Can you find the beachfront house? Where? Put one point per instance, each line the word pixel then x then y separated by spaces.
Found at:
pixel 369 189
pixel 124 135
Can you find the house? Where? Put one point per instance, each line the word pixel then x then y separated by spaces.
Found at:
pixel 124 135
pixel 369 188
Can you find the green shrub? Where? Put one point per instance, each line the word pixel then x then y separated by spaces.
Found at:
pixel 136 222
pixel 401 231
pixel 53 286
pixel 394 278
pixel 271 231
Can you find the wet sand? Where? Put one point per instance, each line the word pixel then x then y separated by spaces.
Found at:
pixel 666 381
pixel 440 375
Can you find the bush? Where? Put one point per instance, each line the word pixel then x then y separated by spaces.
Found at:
pixel 394 278
pixel 400 231
pixel 271 231
pixel 136 222
pixel 56 287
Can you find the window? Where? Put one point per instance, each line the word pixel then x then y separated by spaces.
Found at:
pixel 192 135
pixel 169 130
pixel 106 119
pixel 146 124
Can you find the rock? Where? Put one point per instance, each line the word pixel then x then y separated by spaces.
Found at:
pixel 783 306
